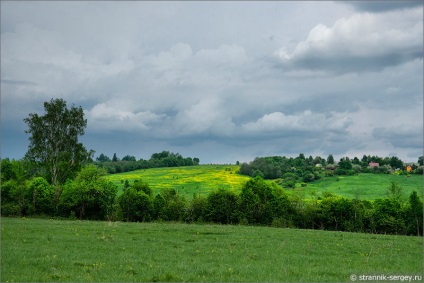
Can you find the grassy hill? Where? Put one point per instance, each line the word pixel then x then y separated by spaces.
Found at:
pixel 363 186
pixel 187 180
pixel 36 250
pixel 205 178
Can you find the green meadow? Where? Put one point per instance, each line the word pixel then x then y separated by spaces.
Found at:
pixel 205 178
pixel 363 186
pixel 187 180
pixel 41 250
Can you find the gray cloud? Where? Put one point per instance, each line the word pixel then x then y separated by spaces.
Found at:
pixel 223 81
pixel 382 6
pixel 362 42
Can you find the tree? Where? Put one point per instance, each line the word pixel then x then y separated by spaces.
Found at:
pixel 421 160
pixel 40 196
pixel 395 162
pixel 88 196
pixel 415 214
pixel 54 146
pixel 222 207
pixel 129 158
pixel 330 159
pixel 103 158
pixel 114 158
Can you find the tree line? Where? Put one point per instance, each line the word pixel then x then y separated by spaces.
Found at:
pixel 291 170
pixel 58 177
pixel 129 162
pixel 260 202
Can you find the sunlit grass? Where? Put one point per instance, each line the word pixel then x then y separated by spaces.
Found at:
pixel 186 180
pixel 86 251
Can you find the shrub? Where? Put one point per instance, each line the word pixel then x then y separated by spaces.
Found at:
pixel 222 207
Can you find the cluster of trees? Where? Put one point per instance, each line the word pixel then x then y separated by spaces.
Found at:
pixel 129 163
pixel 260 202
pixel 310 169
pixel 57 178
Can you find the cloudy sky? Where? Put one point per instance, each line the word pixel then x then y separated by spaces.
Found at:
pixel 222 81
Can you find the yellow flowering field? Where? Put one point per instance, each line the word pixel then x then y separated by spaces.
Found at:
pixel 187 180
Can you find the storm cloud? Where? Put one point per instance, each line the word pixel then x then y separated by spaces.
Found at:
pixel 222 81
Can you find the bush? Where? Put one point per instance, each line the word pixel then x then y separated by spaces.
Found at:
pixel 222 207
pixel 10 209
pixel 135 205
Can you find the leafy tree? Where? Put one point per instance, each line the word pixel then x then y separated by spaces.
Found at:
pixel 174 205
pixel 196 161
pixel 40 197
pixel 330 159
pixel 103 158
pixel 388 216
pixel 414 215
pixel 222 207
pixel 135 205
pixel 395 162
pixel 89 196
pixel 257 201
pixel 196 209
pixel 7 172
pixel 54 146
pixel 158 207
pixel 421 160
pixel 129 158
pixel 141 186
pixel 114 158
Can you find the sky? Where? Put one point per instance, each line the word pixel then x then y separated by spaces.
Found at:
pixel 222 81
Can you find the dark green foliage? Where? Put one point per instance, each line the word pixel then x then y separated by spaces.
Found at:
pixel 175 206
pixel 102 158
pixel 129 158
pixel 158 207
pixel 135 205
pixel 196 209
pixel 88 196
pixel 222 207
pixel 414 215
pixel 141 186
pixel 387 216
pixel 257 201
pixel 129 163
pixel 41 197
pixel 7 171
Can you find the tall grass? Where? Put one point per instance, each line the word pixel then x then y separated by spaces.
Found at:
pixel 86 251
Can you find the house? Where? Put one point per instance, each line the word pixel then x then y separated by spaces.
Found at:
pixel 373 164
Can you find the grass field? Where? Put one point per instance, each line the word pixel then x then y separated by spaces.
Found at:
pixel 205 178
pixel 86 251
pixel 187 180
pixel 363 186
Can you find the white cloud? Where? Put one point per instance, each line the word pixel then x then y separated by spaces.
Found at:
pixel 306 121
pixel 106 118
pixel 359 43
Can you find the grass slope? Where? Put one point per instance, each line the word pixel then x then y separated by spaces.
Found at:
pixel 187 180
pixel 86 251
pixel 363 186
pixel 205 178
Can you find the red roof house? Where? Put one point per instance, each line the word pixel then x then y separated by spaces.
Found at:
pixel 373 164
